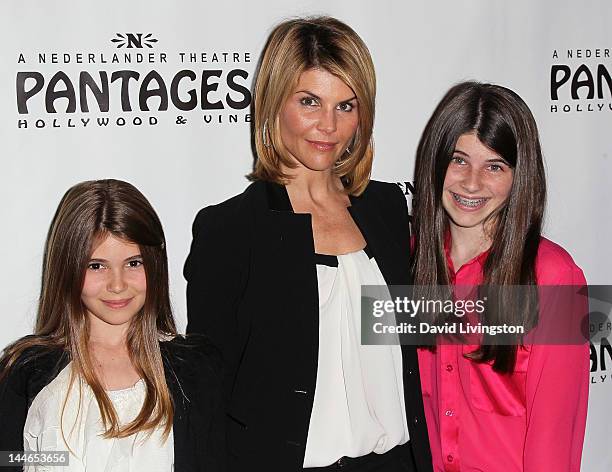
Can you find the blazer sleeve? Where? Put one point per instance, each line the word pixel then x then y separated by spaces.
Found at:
pixel 215 271
pixel 206 361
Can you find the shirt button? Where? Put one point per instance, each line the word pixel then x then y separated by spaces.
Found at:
pixel 449 413
pixel 449 458
pixel 449 368
pixel 415 420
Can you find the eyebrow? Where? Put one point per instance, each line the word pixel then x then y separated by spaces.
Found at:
pixel 498 159
pixel 493 159
pixel 137 256
pixel 354 97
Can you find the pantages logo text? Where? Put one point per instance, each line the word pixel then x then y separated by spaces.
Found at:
pixel 131 83
pixel 581 81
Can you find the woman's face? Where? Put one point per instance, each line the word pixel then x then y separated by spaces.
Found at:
pixel 318 120
pixel 477 182
pixel 115 285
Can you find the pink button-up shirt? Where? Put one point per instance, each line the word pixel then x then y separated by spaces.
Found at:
pixel 532 420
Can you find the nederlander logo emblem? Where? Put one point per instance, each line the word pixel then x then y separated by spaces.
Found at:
pixel 132 84
pixel 581 81
pixel 134 40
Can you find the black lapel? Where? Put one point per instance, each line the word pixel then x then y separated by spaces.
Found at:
pixel 287 242
pixel 377 235
pixel 277 197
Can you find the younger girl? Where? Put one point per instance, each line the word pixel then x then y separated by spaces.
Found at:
pixel 105 376
pixel 478 215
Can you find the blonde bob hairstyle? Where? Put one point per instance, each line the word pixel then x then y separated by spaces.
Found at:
pixel 293 47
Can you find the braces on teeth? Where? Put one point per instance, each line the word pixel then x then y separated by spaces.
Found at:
pixel 467 202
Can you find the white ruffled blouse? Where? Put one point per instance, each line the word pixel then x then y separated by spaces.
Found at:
pixel 359 395
pixel 80 431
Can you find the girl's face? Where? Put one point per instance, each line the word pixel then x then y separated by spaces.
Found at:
pixel 477 182
pixel 318 120
pixel 115 285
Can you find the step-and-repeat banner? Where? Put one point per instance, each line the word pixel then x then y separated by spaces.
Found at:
pixel 158 94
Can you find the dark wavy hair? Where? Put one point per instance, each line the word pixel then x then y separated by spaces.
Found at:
pixel 502 121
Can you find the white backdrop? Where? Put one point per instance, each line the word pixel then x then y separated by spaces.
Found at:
pixel 419 48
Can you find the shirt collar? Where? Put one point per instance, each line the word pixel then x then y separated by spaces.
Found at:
pixel 479 259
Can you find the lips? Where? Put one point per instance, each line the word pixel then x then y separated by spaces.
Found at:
pixel 322 145
pixel 117 304
pixel 469 203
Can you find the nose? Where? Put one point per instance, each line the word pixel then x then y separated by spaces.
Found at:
pixel 327 121
pixel 472 181
pixel 116 282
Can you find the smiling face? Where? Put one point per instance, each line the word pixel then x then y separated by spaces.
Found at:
pixel 318 120
pixel 115 284
pixel 477 182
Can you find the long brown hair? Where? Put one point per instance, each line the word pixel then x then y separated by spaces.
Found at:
pixel 502 121
pixel 88 211
pixel 293 47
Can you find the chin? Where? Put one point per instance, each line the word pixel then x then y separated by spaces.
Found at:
pixel 115 318
pixel 318 162
pixel 322 168
pixel 324 163
pixel 118 320
pixel 466 224
pixel 465 220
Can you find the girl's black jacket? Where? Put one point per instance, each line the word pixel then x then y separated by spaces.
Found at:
pixel 193 374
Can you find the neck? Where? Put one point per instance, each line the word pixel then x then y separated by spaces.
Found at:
pixel 312 185
pixel 107 335
pixel 467 243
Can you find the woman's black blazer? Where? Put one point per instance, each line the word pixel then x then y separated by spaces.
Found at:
pixel 193 373
pixel 252 288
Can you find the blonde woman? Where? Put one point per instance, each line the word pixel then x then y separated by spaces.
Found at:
pixel 274 274
pixel 105 376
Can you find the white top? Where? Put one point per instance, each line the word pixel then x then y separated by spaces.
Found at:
pixel 82 430
pixel 359 397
